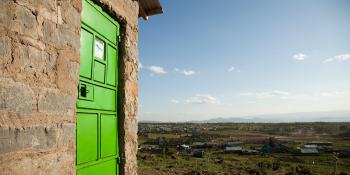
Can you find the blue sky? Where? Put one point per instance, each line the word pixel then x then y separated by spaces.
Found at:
pixel 203 59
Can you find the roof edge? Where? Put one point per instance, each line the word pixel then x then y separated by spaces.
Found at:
pixel 149 8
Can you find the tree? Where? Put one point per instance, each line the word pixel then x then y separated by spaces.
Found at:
pixel 272 142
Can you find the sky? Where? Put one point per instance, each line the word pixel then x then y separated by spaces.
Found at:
pixel 204 59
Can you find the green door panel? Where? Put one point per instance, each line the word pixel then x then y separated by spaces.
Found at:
pixel 104 168
pixel 104 99
pixel 109 134
pixel 98 22
pixel 97 127
pixel 86 146
pixel 99 72
pixel 112 70
pixel 86 40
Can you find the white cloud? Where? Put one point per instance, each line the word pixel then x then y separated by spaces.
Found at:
pixel 336 94
pixel 157 69
pixel 299 56
pixel 288 96
pixel 342 57
pixel 280 93
pixel 175 101
pixel 188 72
pixel 268 94
pixel 232 68
pixel 185 72
pixel 304 97
pixel 202 99
pixel 246 94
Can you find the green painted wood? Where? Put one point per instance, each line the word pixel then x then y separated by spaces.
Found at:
pixel 97 127
pixel 87 126
pixel 103 99
pixel 99 71
pixel 112 71
pixel 86 40
pixel 98 21
pixel 104 168
pixel 108 132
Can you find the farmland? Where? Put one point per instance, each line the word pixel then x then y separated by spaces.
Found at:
pixel 243 148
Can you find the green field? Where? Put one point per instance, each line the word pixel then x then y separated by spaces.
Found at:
pixel 167 160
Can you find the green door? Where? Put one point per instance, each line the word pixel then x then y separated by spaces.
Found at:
pixel 97 127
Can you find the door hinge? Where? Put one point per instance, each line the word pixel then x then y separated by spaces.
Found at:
pixel 119 38
pixel 118 160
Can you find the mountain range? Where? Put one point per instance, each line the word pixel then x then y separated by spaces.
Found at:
pixel 331 116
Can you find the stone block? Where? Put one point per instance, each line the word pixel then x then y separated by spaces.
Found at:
pixel 32 42
pixel 77 5
pixel 68 71
pixel 69 38
pixel 53 101
pixel 42 9
pixel 30 64
pixel 39 66
pixel 4 13
pixel 15 96
pixel 132 88
pixel 50 33
pixel 73 70
pixel 53 163
pixel 60 37
pixel 36 58
pixel 5 48
pixel 14 64
pixel 38 4
pixel 67 136
pixel 14 139
pixel 71 17
pixel 22 21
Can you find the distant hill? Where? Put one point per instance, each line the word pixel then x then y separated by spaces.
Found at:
pixel 334 116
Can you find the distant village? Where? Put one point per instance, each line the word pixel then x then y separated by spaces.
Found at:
pixel 197 147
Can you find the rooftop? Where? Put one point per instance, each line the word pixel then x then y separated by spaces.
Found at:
pixel 309 150
pixel 149 8
pixel 235 148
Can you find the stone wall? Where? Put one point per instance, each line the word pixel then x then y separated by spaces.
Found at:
pixel 39 74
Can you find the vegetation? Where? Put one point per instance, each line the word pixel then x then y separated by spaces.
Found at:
pixel 159 153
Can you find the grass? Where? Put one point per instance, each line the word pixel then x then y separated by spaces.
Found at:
pixel 216 161
pixel 232 163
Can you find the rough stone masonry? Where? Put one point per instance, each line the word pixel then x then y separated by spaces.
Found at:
pixel 39 74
